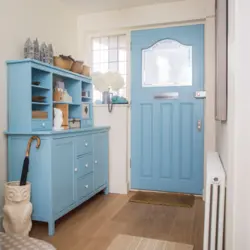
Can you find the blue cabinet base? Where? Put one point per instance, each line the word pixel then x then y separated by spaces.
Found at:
pixel 51 224
pixel 68 169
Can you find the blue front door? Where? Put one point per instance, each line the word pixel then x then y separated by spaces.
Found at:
pixel 167 140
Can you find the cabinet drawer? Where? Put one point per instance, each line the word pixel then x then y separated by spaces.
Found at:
pixel 85 186
pixel 84 165
pixel 84 145
pixel 38 125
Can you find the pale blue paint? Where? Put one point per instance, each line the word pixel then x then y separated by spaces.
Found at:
pixel 21 74
pixel 60 179
pixel 167 149
pixel 56 187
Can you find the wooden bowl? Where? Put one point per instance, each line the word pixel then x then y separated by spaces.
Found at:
pixel 63 62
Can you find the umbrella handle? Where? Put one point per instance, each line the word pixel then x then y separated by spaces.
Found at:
pixel 38 143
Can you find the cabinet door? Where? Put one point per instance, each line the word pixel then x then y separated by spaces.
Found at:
pixel 100 158
pixel 62 174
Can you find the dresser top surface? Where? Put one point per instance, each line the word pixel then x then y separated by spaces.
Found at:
pixel 58 132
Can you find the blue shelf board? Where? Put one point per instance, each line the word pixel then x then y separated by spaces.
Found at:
pixel 40 103
pixel 39 87
pixel 51 69
pixel 85 97
pixel 70 103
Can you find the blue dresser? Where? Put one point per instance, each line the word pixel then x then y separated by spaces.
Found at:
pixel 71 165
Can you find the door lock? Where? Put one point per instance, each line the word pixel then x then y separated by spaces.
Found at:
pixel 199 125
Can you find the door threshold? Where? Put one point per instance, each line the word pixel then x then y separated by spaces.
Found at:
pixel 153 191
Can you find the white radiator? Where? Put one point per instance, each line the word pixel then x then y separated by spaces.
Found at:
pixel 214 203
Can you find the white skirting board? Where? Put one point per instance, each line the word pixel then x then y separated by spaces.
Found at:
pixel 118 144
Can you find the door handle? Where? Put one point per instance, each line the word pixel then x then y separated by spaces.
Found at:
pixel 199 125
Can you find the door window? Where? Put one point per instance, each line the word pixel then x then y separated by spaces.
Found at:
pixel 167 63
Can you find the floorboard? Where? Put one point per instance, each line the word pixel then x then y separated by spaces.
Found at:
pixel 96 223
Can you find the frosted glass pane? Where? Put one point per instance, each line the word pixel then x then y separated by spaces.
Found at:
pixel 113 55
pixel 104 42
pixel 113 42
pixel 96 67
pixel 167 63
pixel 122 41
pixel 122 68
pixel 104 67
pixel 104 56
pixel 124 78
pixel 122 55
pixel 96 56
pixel 122 92
pixel 113 66
pixel 96 45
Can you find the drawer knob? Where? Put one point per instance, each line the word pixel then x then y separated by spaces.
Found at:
pixel 43 125
pixel 86 186
pixel 86 144
pixel 76 169
pixel 87 165
pixel 96 162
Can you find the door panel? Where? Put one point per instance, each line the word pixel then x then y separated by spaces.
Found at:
pixel 167 147
pixel 100 159
pixel 166 140
pixel 62 174
pixel 146 139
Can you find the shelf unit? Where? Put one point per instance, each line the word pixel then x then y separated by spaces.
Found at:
pixel 30 78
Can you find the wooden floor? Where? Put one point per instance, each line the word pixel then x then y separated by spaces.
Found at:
pixel 96 223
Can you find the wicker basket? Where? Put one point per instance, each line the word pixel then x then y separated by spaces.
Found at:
pixel 77 67
pixel 86 70
pixel 63 62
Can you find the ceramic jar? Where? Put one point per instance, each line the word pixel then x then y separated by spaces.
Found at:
pixel 17 209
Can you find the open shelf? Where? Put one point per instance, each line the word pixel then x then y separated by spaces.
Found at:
pixel 40 87
pixel 86 98
pixel 40 103
pixel 69 103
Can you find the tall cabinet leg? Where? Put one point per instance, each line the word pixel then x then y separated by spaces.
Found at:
pixel 51 228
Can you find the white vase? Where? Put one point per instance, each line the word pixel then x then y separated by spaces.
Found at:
pixel 17 209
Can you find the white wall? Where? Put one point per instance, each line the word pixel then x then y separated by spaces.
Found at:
pixel 49 21
pixel 158 15
pixel 118 146
pixel 233 137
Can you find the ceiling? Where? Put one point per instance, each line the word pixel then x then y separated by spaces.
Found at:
pixel 90 6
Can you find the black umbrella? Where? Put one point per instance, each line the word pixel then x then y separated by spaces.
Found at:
pixel 26 159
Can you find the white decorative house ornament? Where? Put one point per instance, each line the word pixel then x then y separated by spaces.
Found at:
pixel 17 209
pixel 29 49
pixel 36 50
pixel 44 53
pixel 50 54
pixel 58 119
